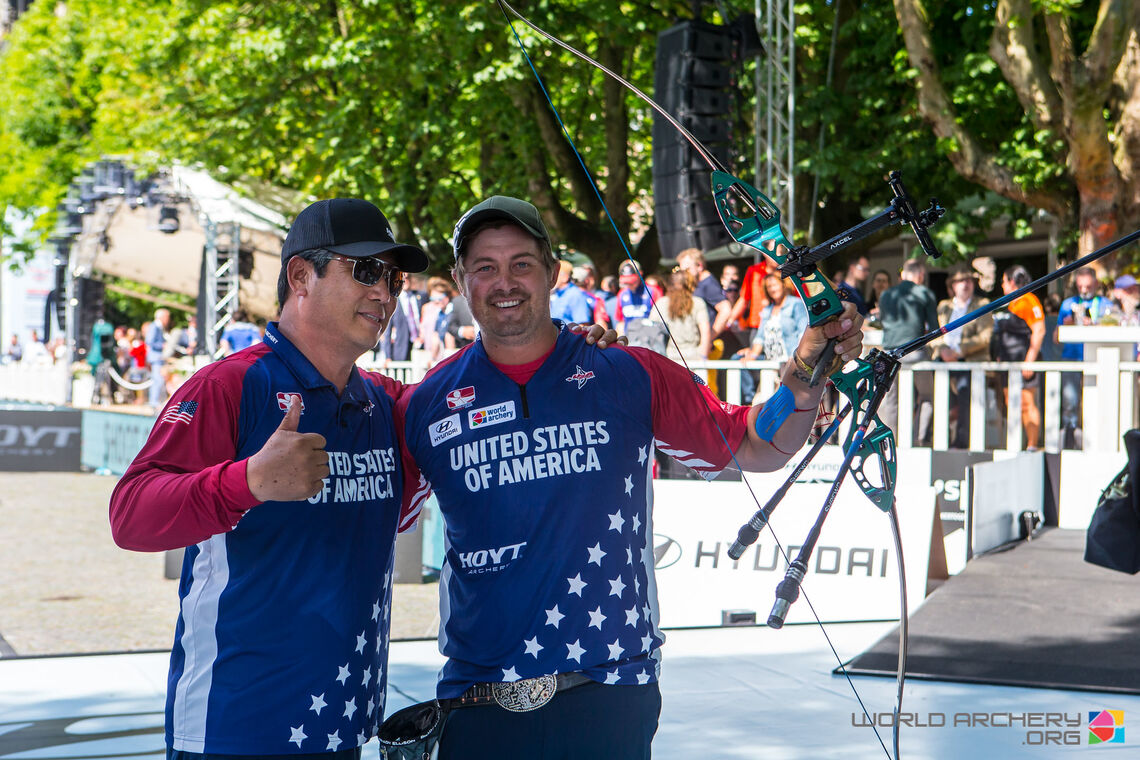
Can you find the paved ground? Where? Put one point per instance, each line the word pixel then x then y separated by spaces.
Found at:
pixel 66 588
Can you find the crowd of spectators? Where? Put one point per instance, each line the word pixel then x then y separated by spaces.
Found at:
pixel 144 365
pixel 757 315
pixel 34 351
pixel 754 315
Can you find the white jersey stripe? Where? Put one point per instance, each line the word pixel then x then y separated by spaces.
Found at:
pixel 647 554
pixel 444 598
pixel 209 577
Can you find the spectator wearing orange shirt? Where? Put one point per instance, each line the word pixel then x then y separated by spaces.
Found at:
pixel 1018 336
pixel 752 300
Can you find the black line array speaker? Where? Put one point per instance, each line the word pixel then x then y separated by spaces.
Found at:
pixel 91 295
pixel 695 80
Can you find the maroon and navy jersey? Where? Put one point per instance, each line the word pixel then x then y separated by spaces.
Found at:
pixel 281 643
pixel 546 493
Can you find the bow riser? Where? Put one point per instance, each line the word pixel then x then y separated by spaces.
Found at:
pixel 762 232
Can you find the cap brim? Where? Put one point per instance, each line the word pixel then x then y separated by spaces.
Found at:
pixel 408 258
pixel 491 215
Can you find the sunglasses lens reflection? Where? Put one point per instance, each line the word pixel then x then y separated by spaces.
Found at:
pixel 368 272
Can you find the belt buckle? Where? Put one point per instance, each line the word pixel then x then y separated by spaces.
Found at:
pixel 526 695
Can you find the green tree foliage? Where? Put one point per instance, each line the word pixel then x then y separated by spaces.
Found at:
pixel 861 120
pixel 423 108
pixel 1058 126
pixel 426 108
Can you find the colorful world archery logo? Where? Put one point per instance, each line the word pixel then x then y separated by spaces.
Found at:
pixel 1106 727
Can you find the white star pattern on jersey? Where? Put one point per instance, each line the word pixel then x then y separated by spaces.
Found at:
pixel 368 693
pixel 599 628
pixel 553 616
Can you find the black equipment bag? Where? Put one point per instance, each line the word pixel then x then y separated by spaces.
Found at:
pixel 1113 539
pixel 413 733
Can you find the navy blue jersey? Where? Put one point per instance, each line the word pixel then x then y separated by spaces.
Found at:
pixel 281 643
pixel 635 304
pixel 546 489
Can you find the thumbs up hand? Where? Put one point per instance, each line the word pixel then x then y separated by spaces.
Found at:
pixel 291 465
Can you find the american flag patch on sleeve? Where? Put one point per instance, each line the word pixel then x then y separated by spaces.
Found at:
pixel 182 412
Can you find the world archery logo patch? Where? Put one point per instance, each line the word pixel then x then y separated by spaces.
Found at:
pixel 491 415
pixel 580 376
pixel 1106 727
pixel 283 401
pixel 461 397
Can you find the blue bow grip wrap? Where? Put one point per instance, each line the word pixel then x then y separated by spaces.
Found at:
pixel 775 410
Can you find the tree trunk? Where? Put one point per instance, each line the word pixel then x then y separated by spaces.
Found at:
pixel 968 156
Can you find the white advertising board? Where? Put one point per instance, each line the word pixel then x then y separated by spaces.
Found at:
pixel 852 574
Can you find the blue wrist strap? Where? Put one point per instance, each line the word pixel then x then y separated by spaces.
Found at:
pixel 775 410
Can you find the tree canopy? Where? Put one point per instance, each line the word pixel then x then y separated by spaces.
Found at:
pixel 425 108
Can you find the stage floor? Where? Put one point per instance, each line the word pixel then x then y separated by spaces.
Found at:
pixel 728 693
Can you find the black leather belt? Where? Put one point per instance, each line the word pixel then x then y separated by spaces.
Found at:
pixel 518 696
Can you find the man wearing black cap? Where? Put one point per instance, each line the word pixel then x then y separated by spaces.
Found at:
pixel 539 449
pixel 277 469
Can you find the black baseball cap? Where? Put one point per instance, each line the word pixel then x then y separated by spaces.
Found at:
pixel 350 227
pixel 499 207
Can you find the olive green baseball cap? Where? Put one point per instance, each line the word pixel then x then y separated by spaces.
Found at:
pixel 499 208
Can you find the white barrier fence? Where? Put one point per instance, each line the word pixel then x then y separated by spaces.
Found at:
pixel 1109 396
pixel 34 383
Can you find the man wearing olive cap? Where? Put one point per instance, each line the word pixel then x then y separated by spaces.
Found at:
pixel 540 451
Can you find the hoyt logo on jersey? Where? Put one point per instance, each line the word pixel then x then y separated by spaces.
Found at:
pixel 580 376
pixel 283 401
pixel 461 397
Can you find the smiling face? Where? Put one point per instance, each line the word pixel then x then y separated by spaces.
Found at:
pixel 507 285
pixel 351 316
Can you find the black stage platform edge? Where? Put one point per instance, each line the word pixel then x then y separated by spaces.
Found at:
pixel 1036 615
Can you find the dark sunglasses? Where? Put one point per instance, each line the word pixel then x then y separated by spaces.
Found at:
pixel 369 271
